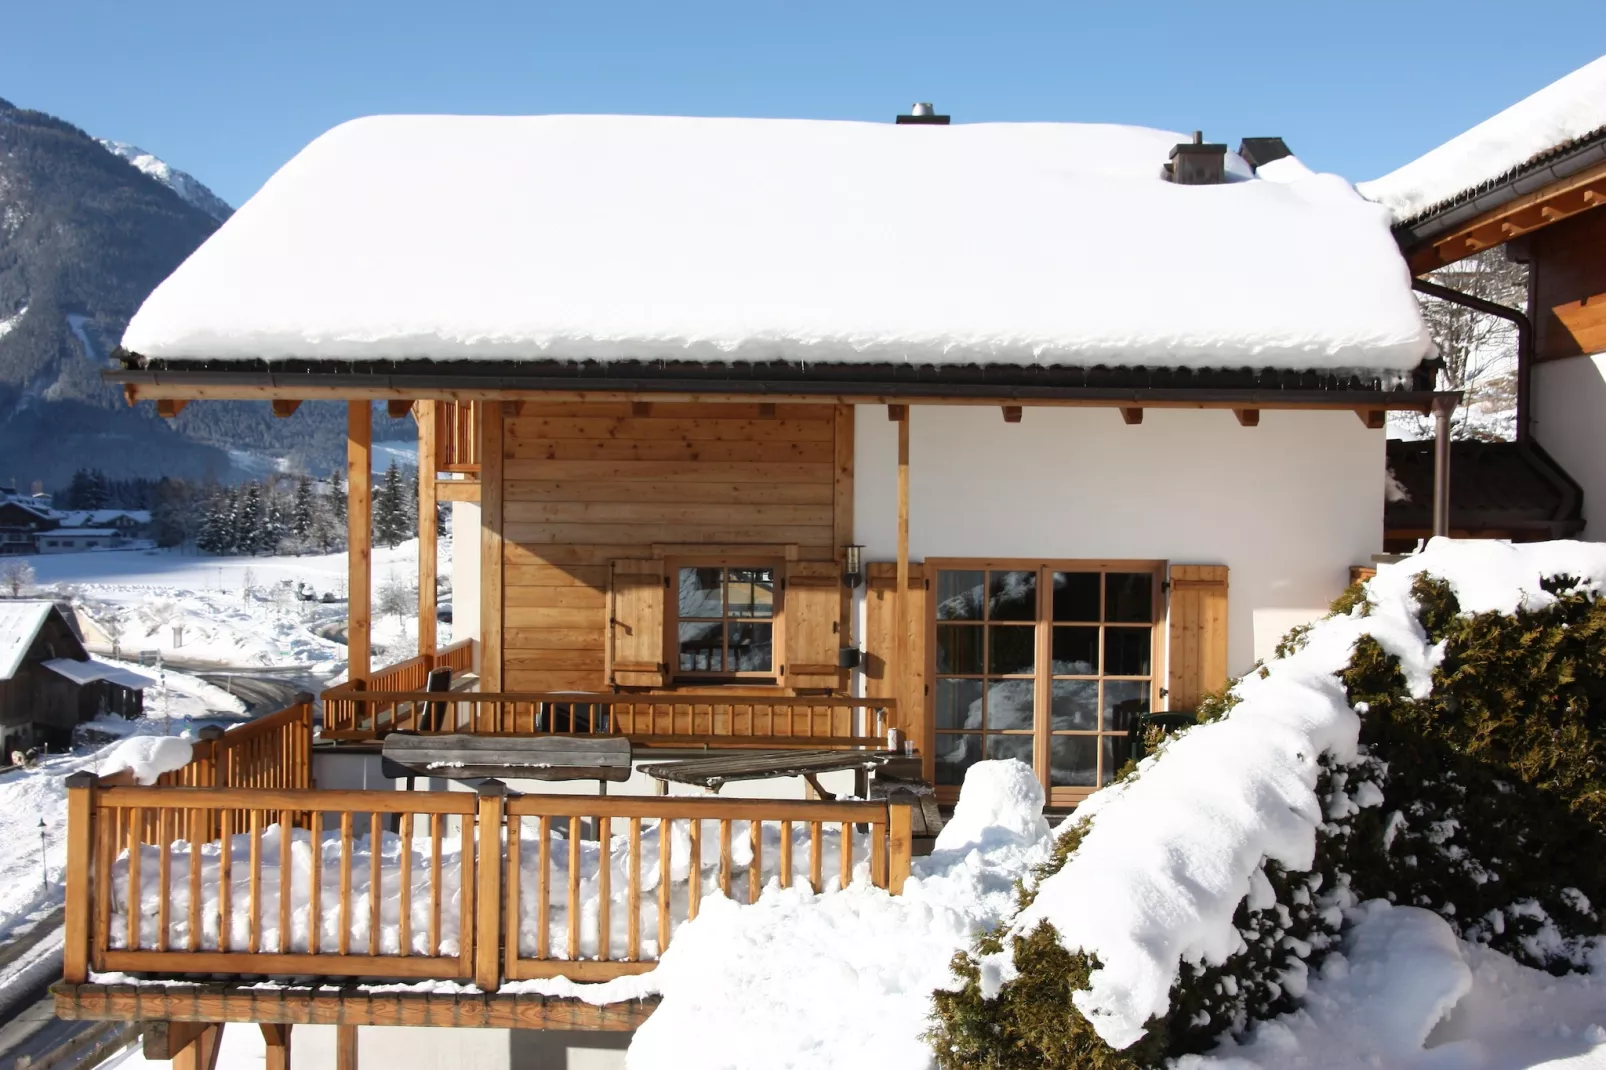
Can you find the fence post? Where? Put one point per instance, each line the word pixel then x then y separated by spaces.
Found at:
pixel 80 850
pixel 488 886
pixel 900 834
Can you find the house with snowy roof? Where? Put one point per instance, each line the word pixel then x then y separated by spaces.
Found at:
pixel 787 457
pixel 1531 181
pixel 49 683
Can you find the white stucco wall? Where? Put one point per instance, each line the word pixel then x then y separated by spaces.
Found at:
pixel 465 570
pixel 1288 506
pixel 312 1047
pixel 1569 421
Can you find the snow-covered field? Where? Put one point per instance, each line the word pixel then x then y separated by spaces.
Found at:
pixel 232 611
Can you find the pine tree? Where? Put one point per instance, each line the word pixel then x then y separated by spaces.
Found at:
pixel 390 516
pixel 301 515
pixel 247 520
pixel 275 529
pixel 97 492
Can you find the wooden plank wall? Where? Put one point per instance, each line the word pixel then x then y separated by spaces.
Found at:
pixel 1567 286
pixel 586 483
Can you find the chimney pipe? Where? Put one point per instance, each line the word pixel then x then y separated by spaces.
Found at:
pixel 1197 163
pixel 923 114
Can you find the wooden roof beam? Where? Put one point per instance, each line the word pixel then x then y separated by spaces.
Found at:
pixel 285 407
pixel 396 408
pixel 1374 419
pixel 1574 194
pixel 1247 417
pixel 168 408
pixel 1131 414
pixel 1012 414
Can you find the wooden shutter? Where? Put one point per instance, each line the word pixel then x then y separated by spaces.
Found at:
pixel 1198 633
pixel 636 608
pixel 811 615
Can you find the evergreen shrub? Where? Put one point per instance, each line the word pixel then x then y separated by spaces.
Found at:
pixel 1493 816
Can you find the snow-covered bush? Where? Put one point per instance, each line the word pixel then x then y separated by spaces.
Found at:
pixel 1438 741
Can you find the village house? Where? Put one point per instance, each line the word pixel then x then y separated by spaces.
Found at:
pixel 789 458
pixel 1530 181
pixel 48 682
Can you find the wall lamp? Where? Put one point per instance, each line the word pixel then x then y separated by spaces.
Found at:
pixel 853 565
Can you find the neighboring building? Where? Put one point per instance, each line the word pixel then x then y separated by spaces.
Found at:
pixel 49 683
pixel 21 522
pixel 71 540
pixel 1531 179
pixel 129 523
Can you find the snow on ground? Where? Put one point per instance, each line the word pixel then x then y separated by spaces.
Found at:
pixel 1570 108
pixel 619 237
pixel 232 610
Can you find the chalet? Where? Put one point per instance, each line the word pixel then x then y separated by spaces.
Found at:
pixel 1531 180
pixel 48 682
pixel 72 540
pixel 787 457
pixel 21 522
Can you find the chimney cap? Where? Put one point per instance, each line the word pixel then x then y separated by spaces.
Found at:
pixel 1259 151
pixel 923 113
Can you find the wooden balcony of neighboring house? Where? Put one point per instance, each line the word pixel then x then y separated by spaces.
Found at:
pixel 238 868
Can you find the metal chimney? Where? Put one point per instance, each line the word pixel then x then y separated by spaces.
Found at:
pixel 923 114
pixel 1196 163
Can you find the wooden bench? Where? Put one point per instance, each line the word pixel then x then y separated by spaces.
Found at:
pixel 464 757
pixel 713 773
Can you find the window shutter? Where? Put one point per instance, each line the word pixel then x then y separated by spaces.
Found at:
pixel 1198 633
pixel 636 609
pixel 811 614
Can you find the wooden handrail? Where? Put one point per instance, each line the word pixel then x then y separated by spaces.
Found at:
pixel 442 898
pixel 657 719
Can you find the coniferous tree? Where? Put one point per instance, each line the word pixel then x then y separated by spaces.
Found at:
pixel 390 517
pixel 302 520
pixel 247 521
pixel 275 529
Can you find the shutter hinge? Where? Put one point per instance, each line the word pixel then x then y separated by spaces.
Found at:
pixel 666 583
pixel 1165 692
pixel 926 583
pixel 1165 585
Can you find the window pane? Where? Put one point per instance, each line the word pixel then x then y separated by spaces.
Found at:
pixel 959 703
pixel 1012 596
pixel 1017 747
pixel 1072 761
pixel 700 649
pixel 1076 596
pixel 1009 704
pixel 959 595
pixel 959 648
pixel 1123 701
pixel 1073 705
pixel 1116 752
pixel 700 594
pixel 1012 649
pixel 955 754
pixel 1126 651
pixel 1076 651
pixel 1129 597
pixel 751 592
pixel 750 646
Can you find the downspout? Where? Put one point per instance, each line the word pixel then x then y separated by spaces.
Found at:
pixel 1524 342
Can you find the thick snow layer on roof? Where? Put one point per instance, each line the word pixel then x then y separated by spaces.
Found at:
pixel 87 672
pixel 1563 111
pixel 19 623
pixel 1169 855
pixel 627 237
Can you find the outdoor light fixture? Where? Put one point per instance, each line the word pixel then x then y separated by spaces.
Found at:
pixel 853 571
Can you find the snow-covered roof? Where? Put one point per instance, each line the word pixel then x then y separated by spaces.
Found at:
pixel 615 238
pixel 94 518
pixel 82 532
pixel 87 672
pixel 1567 111
pixel 19 623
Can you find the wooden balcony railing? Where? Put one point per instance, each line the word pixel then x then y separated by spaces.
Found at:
pixel 173 881
pixel 667 719
pixel 341 703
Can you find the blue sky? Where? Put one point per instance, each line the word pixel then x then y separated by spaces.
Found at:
pixel 230 89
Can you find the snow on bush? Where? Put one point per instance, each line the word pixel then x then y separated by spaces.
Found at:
pixel 147 757
pixel 1195 893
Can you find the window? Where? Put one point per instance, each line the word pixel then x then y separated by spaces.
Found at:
pixel 725 620
pixel 1047 663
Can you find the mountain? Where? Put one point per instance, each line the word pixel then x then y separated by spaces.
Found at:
pixel 180 182
pixel 86 233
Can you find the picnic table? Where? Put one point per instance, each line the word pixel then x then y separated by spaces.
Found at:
pixel 713 773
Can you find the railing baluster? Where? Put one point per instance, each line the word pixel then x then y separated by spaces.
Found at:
pixel 755 866
pixel 105 858
pixel 694 890
pixel 164 873
pixel 286 881
pixel 254 934
pixel 315 890
pixel 136 825
pixel 725 856
pixel 633 894
pixel 225 881
pixel 816 864
pixel 435 882
pixel 604 887
pixel 345 882
pixel 543 906
pixel 847 853
pixel 786 854
pixel 375 883
pixel 510 915
pixel 193 821
pixel 574 886
pixel 404 918
pixel 665 871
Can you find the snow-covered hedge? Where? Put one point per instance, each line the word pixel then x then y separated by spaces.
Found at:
pixel 1439 741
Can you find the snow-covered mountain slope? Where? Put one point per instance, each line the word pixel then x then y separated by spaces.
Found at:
pixel 180 182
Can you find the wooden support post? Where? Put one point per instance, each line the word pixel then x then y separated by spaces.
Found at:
pixel 277 1040
pixel 200 1048
pixel 490 546
pixel 900 832
pixel 908 708
pixel 1443 406
pixel 1132 414
pixel 428 463
pixel 283 407
pixel 488 887
pixel 359 537
pixel 81 837
pixel 345 1047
